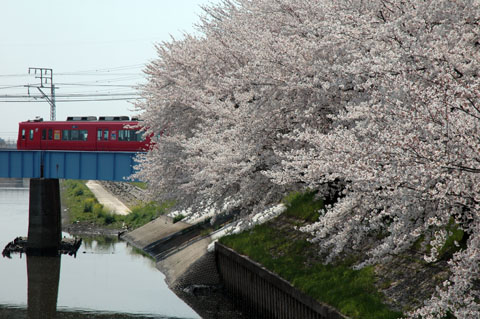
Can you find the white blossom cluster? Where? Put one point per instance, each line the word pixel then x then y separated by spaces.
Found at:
pixel 244 224
pixel 279 94
pixel 219 105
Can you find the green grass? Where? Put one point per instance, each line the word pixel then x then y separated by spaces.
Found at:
pixel 304 206
pixel 352 292
pixel 145 213
pixel 141 185
pixel 82 204
pixel 84 207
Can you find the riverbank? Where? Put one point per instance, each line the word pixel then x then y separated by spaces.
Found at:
pixel 387 290
pixel 73 200
pixel 380 291
pixel 82 213
pixel 383 291
pixel 183 257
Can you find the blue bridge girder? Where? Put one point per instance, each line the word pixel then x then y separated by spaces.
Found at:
pixel 108 166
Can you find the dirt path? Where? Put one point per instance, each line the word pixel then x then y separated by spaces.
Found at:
pixel 109 201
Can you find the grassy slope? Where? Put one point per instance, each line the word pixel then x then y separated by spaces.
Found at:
pixel 281 249
pixel 84 207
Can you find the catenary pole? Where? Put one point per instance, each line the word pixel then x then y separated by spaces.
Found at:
pixel 45 75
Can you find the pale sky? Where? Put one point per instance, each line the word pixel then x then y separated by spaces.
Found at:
pixel 97 49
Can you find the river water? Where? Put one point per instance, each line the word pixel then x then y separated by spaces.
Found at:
pixel 107 278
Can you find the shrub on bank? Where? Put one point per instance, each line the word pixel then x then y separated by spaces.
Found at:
pixel 178 218
pixel 82 204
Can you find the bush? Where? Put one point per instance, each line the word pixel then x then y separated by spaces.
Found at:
pixel 178 218
pixel 98 210
pixel 88 205
pixel 110 219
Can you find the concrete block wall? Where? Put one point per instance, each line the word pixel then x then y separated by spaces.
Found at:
pixel 202 272
pixel 263 294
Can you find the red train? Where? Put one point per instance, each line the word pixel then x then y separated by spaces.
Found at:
pixel 83 133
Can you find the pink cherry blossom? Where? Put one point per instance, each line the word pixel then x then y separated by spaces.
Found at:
pixel 277 95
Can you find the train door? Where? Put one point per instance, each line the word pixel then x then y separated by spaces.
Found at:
pixel 46 138
pixel 102 139
pixel 22 138
pixel 34 138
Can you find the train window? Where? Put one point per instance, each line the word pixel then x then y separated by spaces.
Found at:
pixel 23 134
pixel 44 134
pixel 31 135
pixel 99 134
pixel 74 135
pixel 130 136
pixel 105 135
pixel 56 134
pixel 66 135
pixel 113 136
pixel 50 134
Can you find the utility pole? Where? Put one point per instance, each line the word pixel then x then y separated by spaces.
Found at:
pixel 46 81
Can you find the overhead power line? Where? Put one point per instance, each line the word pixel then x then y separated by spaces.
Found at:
pixel 96 85
pixel 119 68
pixel 100 85
pixel 14 75
pixel 67 95
pixel 128 98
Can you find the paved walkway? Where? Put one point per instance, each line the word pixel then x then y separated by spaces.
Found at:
pixel 109 201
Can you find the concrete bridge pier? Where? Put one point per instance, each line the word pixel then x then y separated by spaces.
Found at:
pixel 43 277
pixel 44 221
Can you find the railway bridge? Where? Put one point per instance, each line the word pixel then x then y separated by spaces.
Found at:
pixel 45 168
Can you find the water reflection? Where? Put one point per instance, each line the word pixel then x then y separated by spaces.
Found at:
pixel 106 280
pixel 43 277
pixel 90 289
pixel 100 243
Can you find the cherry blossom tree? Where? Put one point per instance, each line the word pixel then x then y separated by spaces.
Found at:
pixel 279 94
pixel 244 90
pixel 409 153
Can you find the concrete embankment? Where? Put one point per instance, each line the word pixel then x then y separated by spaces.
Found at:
pixel 190 271
pixel 203 279
pixel 180 251
pixel 181 254
pixel 263 294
